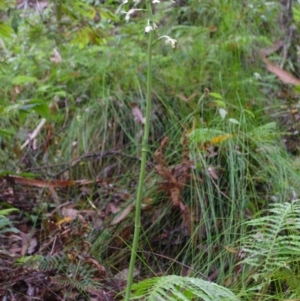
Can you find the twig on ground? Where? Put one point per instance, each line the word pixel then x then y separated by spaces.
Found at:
pixel 34 133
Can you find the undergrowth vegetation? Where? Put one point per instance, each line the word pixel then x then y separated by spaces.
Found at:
pixel 220 200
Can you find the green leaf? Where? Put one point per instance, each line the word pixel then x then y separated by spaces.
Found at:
pixel 38 106
pixel 22 116
pixel 51 89
pixel 106 14
pixel 29 259
pixel 10 109
pixel 29 175
pixel 250 113
pixel 8 211
pixel 84 9
pixel 220 103
pixel 215 95
pixel 44 88
pixel 42 109
pixel 81 38
pixel 58 10
pixel 296 14
pixel 5 30
pixel 75 10
pixel 61 93
pixel 5 223
pixel 5 132
pixel 23 79
pixel 15 21
pixel 27 106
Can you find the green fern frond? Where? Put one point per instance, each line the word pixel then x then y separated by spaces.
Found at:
pixel 5 223
pixel 82 285
pixel 174 288
pixel 77 275
pixel 59 262
pixel 273 240
pixel 264 133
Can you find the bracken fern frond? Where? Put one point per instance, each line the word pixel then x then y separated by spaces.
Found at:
pixel 171 288
pixel 273 241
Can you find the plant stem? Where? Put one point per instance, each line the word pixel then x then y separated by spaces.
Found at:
pixel 137 224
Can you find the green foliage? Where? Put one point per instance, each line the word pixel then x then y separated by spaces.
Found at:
pixel 5 30
pixel 272 240
pixel 243 168
pixel 5 223
pixel 174 288
pixel 271 246
pixel 74 274
pixel 296 14
pixel 288 276
pixel 37 105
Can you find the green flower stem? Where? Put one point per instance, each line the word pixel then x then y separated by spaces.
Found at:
pixel 138 205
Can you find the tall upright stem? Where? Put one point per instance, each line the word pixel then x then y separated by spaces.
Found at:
pixel 137 224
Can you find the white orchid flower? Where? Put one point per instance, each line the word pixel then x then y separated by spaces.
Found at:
pixel 130 12
pixel 149 27
pixel 170 41
pixel 136 2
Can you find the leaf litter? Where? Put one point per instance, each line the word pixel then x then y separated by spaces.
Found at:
pixel 52 255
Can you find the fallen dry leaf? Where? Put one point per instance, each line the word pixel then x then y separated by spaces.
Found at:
pixel 230 250
pixel 45 183
pixel 63 221
pixel 212 173
pixel 187 99
pixel 283 75
pixel 220 139
pixel 69 212
pixel 29 244
pixel 137 113
pixel 113 208
pixel 123 275
pixel 269 50
pixel 122 215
